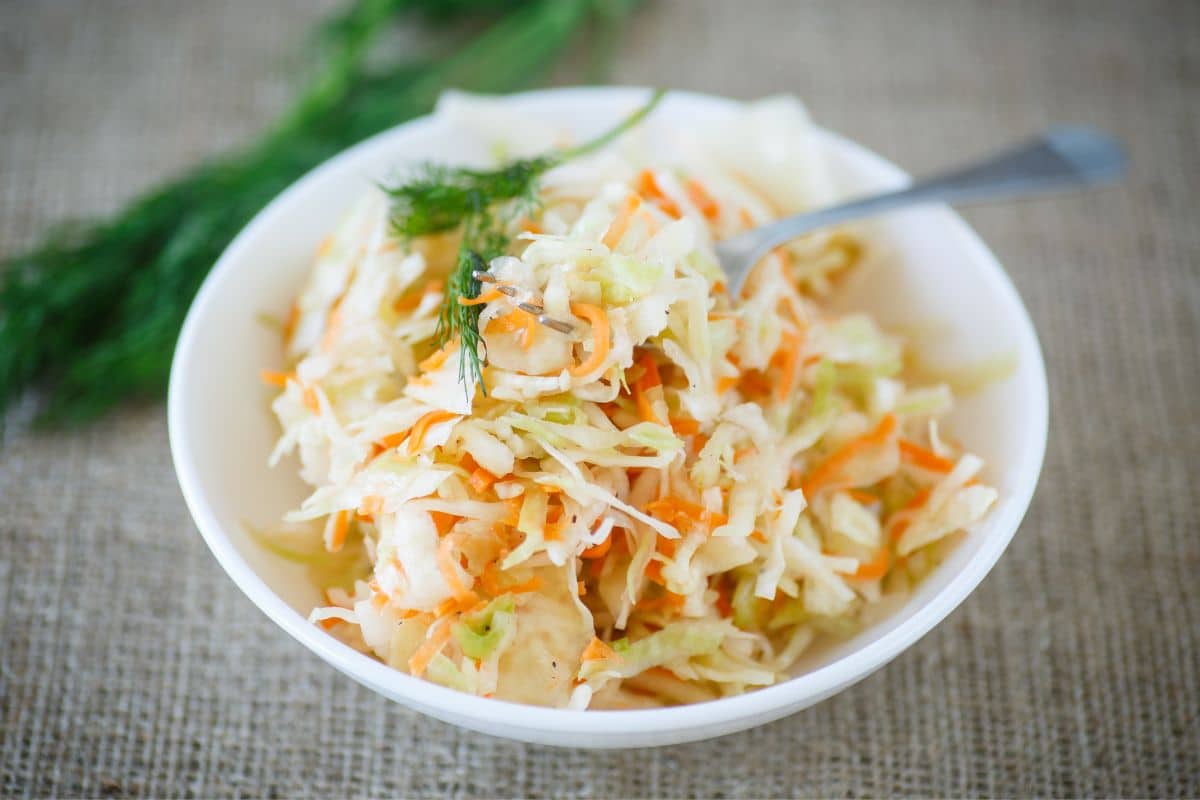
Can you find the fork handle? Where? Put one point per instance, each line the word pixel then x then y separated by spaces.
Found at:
pixel 1061 158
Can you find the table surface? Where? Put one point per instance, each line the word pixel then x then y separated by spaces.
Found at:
pixel 129 664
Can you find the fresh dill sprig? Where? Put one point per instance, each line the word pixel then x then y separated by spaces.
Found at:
pixel 93 313
pixel 441 198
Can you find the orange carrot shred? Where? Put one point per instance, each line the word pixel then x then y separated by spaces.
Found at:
pixel 600 337
pixel 828 471
pixel 726 383
pixel 333 326
pixel 341 524
pixel 684 426
pixel 422 426
pixel 393 440
pixel 923 457
pixel 897 527
pixel 702 200
pixel 289 325
pixel 596 650
pixel 410 300
pixel 620 224
pixel 311 402
pixel 648 187
pixel 428 649
pixel 437 358
pixel 598 550
pixel 865 498
pixel 277 379
pixel 443 521
pixel 791 363
pixel 486 297
pixel 481 480
pixel 875 568
pixel 446 561
pixel 642 387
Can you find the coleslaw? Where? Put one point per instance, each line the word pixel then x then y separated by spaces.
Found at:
pixel 670 504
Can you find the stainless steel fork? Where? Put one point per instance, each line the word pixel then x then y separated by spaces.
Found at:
pixel 1062 158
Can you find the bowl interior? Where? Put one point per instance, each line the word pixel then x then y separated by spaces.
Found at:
pixel 924 271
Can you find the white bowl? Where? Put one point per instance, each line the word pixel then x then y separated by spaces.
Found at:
pixel 927 266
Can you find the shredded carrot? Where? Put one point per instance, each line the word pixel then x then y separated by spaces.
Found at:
pixel 277 379
pixel 726 383
pixel 517 320
pixel 341 524
pixel 897 527
pixel 486 297
pixel 447 565
pixel 432 645
pixel 684 426
pixel 530 226
pixel 289 325
pixel 738 455
pixel 876 568
pixel 443 521
pixel 311 401
pixel 745 218
pixel 828 471
pixel 490 581
pixel 699 441
pixel 668 600
pixel 790 348
pixel 371 504
pixel 392 440
pixel 654 571
pixel 600 337
pixel 410 300
pixel 531 585
pixel 333 325
pixel 422 426
pixel 553 531
pixel 755 382
pixel 758 536
pixel 330 623
pixel 412 613
pixel 620 224
pixel 865 498
pixel 457 605
pixel 702 200
pixel 648 187
pixel 923 457
pixel 649 381
pixel 580 589
pixel 672 508
pixel 598 550
pixel 481 480
pixel 597 650
pixel 437 357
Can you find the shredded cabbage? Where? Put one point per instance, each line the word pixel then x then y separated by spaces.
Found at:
pixel 727 483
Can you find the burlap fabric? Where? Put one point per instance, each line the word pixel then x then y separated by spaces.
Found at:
pixel 130 665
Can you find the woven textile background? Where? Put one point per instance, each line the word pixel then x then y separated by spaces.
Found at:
pixel 130 665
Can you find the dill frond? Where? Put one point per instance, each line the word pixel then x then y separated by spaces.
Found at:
pixel 442 198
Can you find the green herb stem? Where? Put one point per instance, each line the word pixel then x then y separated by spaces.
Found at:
pixel 93 312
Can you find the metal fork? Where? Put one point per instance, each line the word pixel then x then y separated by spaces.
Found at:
pixel 1062 158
